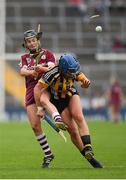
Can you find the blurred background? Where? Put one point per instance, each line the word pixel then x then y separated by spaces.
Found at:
pixel 67 27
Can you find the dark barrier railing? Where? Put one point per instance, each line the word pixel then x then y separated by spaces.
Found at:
pixel 103 113
pixel 96 114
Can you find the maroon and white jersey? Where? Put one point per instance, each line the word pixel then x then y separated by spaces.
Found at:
pixel 29 61
pixel 115 94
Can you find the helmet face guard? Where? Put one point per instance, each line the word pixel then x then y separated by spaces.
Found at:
pixel 70 75
pixel 69 66
pixel 31 34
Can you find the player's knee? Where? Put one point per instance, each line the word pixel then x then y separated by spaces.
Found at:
pixel 35 127
pixel 73 131
pixel 79 117
pixel 43 101
pixel 80 120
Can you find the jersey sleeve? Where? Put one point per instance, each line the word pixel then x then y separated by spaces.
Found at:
pixel 80 76
pixel 49 77
pixel 50 58
pixel 23 61
pixel 43 83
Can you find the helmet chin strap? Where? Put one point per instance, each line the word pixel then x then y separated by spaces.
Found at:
pixel 36 50
pixel 32 51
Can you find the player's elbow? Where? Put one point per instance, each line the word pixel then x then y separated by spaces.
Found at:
pixel 21 72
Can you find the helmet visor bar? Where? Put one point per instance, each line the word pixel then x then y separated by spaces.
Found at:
pixel 30 34
pixel 71 75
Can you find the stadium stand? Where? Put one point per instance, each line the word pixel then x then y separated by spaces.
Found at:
pixel 66 30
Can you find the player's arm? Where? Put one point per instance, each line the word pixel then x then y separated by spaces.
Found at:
pixel 85 82
pixel 50 63
pixel 42 84
pixel 42 69
pixel 24 71
pixel 39 88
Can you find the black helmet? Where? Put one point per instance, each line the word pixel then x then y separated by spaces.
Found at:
pixel 32 33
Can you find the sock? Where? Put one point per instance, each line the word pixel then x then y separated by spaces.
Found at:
pixel 87 143
pixel 44 144
pixel 86 140
pixel 56 116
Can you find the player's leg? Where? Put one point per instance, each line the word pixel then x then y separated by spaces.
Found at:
pixel 51 109
pixel 75 106
pixel 111 112
pixel 115 112
pixel 35 123
pixel 72 128
pixel 42 98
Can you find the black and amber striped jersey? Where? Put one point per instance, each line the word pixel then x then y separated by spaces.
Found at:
pixel 59 85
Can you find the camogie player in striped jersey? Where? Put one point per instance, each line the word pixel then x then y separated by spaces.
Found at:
pixel 59 96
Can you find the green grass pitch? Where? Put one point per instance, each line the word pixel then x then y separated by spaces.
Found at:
pixel 20 154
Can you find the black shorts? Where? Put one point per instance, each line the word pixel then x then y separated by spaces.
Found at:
pixel 61 103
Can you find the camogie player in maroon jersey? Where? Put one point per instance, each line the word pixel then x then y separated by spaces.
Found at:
pixel 32 66
pixel 114 99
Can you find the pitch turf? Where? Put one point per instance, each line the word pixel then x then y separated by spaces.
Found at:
pixel 20 154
